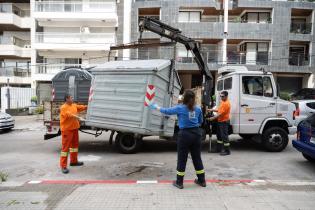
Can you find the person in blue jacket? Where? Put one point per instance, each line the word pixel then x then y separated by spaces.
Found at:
pixel 189 136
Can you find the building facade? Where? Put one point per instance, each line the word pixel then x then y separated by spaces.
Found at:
pixel 15 43
pixel 69 33
pixel 275 35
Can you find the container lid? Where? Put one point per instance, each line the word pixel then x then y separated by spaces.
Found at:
pixel 154 64
pixel 80 74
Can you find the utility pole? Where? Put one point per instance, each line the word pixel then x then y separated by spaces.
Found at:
pixel 8 94
pixel 225 32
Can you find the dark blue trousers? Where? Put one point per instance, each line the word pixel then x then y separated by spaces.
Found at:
pixel 189 140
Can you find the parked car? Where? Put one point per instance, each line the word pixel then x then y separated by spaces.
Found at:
pixel 304 108
pixel 305 140
pixel 303 94
pixel 6 121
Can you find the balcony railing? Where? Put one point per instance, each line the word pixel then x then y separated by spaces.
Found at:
pixel 301 28
pixel 11 8
pixel 299 59
pixel 73 7
pixel 14 72
pixel 262 58
pixel 45 68
pixel 75 38
pixel 15 41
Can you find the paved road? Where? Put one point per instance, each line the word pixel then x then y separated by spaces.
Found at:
pixel 25 156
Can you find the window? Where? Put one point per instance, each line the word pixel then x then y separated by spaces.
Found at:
pixel 228 83
pixel 311 105
pixel 252 85
pixel 189 16
pixel 220 85
pixel 268 90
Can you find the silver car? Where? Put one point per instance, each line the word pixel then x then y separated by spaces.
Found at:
pixel 6 121
pixel 304 108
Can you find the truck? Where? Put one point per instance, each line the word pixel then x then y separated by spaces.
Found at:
pixel 257 110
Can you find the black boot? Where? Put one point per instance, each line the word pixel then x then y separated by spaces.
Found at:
pixel 179 182
pixel 200 183
pixel 225 151
pixel 79 163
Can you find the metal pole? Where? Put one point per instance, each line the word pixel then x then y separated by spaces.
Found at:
pixel 8 94
pixel 225 32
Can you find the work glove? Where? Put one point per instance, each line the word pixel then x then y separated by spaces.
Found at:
pixel 154 106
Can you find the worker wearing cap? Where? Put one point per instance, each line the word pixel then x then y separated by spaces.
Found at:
pixel 69 125
pixel 223 118
pixel 189 137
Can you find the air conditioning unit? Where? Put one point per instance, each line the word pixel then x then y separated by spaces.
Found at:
pixel 85 29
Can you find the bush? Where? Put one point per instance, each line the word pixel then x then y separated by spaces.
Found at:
pixel 34 98
pixel 285 96
pixel 39 110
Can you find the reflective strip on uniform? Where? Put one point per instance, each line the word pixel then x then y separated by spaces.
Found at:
pixel 219 142
pixel 74 149
pixel 226 144
pixel 200 171
pixel 180 173
pixel 64 154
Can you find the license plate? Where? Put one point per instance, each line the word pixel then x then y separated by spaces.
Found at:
pixel 312 140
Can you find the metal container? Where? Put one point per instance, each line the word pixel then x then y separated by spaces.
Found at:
pixel 121 91
pixel 75 81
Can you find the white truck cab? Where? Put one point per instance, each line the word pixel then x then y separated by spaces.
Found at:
pixel 256 109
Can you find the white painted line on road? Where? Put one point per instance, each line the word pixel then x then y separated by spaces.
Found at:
pixel 147 182
pixel 259 180
pixel 34 182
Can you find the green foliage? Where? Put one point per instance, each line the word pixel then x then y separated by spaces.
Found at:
pixel 3 176
pixel 34 98
pixel 214 97
pixel 39 110
pixel 285 96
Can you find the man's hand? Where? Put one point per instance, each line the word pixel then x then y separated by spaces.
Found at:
pixel 77 117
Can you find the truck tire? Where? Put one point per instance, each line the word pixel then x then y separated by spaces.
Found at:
pixel 246 136
pixel 309 158
pixel 275 139
pixel 126 143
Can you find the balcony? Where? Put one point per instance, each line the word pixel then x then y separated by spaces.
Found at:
pixel 14 47
pixel 299 59
pixel 74 41
pixel 301 28
pixel 52 69
pixel 13 17
pixel 14 72
pixel 76 11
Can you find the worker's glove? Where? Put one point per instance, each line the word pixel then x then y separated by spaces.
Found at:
pixel 154 106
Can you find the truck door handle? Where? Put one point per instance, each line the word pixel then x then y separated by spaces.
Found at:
pixel 272 103
pixel 244 105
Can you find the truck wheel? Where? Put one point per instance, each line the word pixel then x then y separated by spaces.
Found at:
pixel 126 143
pixel 275 139
pixel 309 158
pixel 246 136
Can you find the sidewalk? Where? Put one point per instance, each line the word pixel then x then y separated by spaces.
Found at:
pixel 145 195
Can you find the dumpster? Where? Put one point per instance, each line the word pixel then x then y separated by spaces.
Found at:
pixel 122 90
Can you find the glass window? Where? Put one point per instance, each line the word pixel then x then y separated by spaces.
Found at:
pixel 183 16
pixel 220 85
pixel 268 90
pixel 311 105
pixel 228 83
pixel 252 85
pixel 189 16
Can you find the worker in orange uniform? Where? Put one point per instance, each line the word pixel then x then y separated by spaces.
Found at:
pixel 223 118
pixel 69 125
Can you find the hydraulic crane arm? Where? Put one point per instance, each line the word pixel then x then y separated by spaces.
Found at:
pixel 192 45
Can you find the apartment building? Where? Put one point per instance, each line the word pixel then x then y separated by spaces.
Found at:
pixel 15 43
pixel 274 35
pixel 69 33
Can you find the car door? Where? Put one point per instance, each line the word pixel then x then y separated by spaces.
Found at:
pixel 257 102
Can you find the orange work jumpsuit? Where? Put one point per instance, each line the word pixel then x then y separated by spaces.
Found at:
pixel 69 126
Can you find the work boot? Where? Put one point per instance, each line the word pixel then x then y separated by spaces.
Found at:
pixel 65 170
pixel 77 164
pixel 200 183
pixel 225 151
pixel 217 148
pixel 178 185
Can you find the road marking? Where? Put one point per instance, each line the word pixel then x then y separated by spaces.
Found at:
pixel 34 182
pixel 147 182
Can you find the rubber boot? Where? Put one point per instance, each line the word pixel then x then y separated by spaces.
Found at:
pixel 201 180
pixel 179 182
pixel 225 151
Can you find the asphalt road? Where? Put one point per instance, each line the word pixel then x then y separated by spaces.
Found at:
pixel 25 156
